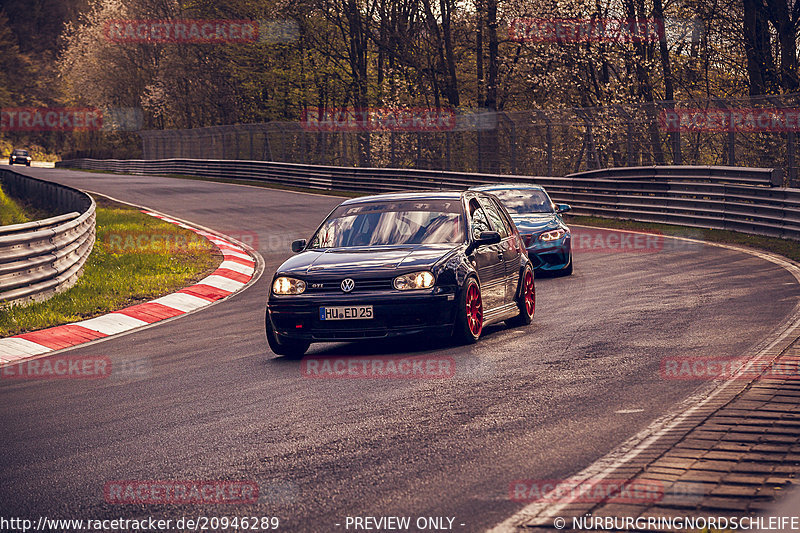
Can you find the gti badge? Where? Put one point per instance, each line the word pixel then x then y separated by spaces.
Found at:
pixel 348 285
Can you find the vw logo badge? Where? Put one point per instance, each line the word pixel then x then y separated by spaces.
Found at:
pixel 348 285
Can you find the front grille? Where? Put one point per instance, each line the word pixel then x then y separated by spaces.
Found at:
pixel 361 285
pixel 552 258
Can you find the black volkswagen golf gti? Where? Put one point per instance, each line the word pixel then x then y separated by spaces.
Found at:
pixel 439 263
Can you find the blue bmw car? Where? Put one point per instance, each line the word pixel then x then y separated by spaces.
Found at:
pixel 547 238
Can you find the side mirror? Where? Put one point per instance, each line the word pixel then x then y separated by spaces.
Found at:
pixel 488 237
pixel 563 208
pixel 299 245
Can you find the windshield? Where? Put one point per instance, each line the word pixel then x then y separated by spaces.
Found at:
pixel 524 201
pixel 20 152
pixel 378 224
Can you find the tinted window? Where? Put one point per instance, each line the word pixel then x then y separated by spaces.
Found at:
pixel 379 223
pixel 478 219
pixel 521 201
pixel 496 219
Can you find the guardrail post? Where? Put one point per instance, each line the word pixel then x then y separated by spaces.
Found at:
pixel 251 155
pixel 419 149
pixel 548 136
pixel 790 168
pixel 448 150
pixel 731 148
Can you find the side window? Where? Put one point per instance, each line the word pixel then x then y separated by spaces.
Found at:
pixel 509 224
pixel 478 219
pixel 496 218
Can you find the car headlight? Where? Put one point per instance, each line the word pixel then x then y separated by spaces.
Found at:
pixel 28 158
pixel 284 285
pixel 552 235
pixel 414 280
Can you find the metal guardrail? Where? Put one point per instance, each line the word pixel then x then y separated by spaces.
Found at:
pixel 40 258
pixel 728 198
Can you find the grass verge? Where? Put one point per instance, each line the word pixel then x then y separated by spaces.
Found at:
pixel 785 247
pixel 135 258
pixel 15 211
pixel 10 211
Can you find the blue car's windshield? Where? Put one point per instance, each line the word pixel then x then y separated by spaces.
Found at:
pixel 384 223
pixel 523 201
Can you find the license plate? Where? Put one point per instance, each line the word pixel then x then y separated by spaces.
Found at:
pixel 346 312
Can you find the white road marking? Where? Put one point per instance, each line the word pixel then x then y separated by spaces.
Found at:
pixel 14 348
pixel 111 323
pixel 237 267
pixel 181 301
pixel 221 282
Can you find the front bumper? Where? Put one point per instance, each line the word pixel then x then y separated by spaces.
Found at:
pixel 298 317
pixel 551 257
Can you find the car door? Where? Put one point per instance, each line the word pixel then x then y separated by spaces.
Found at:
pixel 509 246
pixel 487 259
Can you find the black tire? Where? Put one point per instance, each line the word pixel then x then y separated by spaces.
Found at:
pixel 292 349
pixel 526 300
pixel 469 316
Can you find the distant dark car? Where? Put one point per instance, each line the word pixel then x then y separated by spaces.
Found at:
pixel 439 263
pixel 547 238
pixel 19 157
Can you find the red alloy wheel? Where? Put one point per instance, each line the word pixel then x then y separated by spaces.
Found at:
pixel 530 293
pixel 474 309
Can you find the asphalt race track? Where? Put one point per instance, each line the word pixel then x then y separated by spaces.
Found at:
pixel 539 402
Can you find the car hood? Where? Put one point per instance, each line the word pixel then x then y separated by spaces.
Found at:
pixel 535 222
pixel 365 261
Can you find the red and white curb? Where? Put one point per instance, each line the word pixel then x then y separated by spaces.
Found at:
pixel 236 271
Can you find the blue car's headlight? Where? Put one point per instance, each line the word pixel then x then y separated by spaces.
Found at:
pixel 552 235
pixel 283 285
pixel 414 280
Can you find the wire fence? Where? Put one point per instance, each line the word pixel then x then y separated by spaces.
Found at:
pixel 753 132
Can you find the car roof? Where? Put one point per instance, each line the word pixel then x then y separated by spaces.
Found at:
pixel 399 196
pixel 506 186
